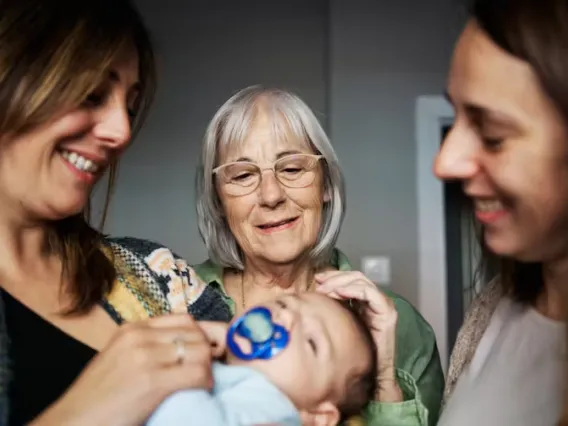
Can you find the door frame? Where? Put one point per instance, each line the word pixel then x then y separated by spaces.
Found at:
pixel 432 112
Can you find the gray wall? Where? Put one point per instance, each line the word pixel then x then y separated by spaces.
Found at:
pixel 383 55
pixel 208 50
pixel 359 64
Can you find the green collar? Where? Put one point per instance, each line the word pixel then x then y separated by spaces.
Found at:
pixel 213 273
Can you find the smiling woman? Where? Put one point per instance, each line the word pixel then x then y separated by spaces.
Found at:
pixel 509 149
pixel 270 203
pixel 76 81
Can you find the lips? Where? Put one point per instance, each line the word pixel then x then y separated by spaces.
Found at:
pixel 82 162
pixel 276 224
pixel 489 211
pixel 488 206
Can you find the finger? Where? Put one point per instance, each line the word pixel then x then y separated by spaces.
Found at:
pixel 341 279
pixel 377 301
pixel 170 334
pixel 321 277
pixel 334 295
pixel 130 339
pixel 185 376
pixel 216 333
pixel 167 354
pixel 171 320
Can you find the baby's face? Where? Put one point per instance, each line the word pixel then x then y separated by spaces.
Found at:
pixel 324 351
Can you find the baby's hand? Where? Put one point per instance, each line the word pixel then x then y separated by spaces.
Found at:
pixel 216 333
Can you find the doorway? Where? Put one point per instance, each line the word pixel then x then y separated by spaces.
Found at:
pixel 462 253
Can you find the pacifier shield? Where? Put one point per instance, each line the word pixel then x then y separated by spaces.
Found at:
pixel 258 326
pixel 266 338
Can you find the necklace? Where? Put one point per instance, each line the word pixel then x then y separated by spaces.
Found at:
pixel 243 297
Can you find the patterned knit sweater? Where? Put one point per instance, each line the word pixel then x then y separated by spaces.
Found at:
pixel 150 281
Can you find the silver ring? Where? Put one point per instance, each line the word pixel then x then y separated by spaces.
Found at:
pixel 180 350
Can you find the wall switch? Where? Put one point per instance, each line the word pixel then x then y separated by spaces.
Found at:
pixel 377 269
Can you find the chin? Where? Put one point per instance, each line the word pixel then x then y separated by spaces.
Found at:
pixel 282 257
pixel 64 209
pixel 512 249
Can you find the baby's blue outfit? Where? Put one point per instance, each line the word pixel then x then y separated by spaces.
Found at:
pixel 241 396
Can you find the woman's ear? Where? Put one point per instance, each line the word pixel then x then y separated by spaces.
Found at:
pixel 325 414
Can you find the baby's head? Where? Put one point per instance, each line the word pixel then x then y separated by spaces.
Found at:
pixel 328 369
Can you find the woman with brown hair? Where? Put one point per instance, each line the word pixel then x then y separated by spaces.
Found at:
pixel 509 147
pixel 76 81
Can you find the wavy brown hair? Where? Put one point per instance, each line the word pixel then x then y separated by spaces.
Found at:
pixel 53 54
pixel 534 31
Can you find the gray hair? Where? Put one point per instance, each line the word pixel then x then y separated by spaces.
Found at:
pixel 230 125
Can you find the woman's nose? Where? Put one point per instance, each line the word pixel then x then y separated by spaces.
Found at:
pixel 113 125
pixel 458 156
pixel 270 190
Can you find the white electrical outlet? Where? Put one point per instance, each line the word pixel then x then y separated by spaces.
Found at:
pixel 377 269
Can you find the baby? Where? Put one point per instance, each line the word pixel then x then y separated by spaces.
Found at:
pixel 325 372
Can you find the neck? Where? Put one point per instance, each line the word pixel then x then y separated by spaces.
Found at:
pixel 293 276
pixel 553 301
pixel 22 242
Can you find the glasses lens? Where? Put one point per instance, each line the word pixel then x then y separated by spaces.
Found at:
pixel 240 177
pixel 296 171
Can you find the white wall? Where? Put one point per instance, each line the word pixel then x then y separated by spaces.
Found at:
pixel 361 62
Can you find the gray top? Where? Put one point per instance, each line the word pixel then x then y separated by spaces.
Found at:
pixel 516 375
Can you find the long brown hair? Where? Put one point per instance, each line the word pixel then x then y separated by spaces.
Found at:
pixel 53 54
pixel 534 31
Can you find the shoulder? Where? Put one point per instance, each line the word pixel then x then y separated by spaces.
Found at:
pixel 164 272
pixel 150 256
pixel 476 321
pixel 136 246
pixel 209 271
pixel 412 326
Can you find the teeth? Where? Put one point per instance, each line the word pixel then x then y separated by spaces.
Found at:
pixel 80 162
pixel 488 205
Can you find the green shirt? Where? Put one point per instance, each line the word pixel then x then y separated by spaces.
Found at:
pixel 418 367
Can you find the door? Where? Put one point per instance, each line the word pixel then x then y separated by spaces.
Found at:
pixel 462 254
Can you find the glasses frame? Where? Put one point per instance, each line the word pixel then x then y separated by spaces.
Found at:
pixel 272 168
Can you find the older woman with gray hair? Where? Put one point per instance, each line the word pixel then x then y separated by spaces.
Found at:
pixel 270 204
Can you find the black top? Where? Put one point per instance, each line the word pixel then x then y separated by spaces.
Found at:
pixel 44 361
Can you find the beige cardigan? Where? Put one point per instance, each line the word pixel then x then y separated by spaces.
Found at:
pixel 473 328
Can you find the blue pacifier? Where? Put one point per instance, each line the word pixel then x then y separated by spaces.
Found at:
pixel 266 338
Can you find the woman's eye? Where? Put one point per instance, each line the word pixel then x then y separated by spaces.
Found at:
pixel 292 170
pixel 493 144
pixel 281 304
pixel 242 176
pixel 94 100
pixel 313 345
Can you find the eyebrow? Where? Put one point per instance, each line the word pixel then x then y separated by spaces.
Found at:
pixel 115 78
pixel 481 113
pixel 278 156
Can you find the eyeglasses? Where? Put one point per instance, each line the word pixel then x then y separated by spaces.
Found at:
pixel 292 171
